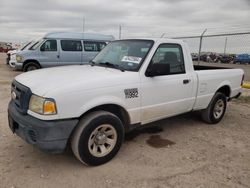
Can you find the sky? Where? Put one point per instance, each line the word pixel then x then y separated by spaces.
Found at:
pixel 22 20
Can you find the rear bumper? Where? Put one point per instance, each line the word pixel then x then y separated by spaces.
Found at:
pixel 51 136
pixel 12 63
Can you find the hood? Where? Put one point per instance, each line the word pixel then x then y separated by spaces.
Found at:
pixel 73 78
pixel 23 52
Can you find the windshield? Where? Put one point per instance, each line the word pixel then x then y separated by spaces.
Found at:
pixel 25 46
pixel 36 44
pixel 124 54
pixel 28 45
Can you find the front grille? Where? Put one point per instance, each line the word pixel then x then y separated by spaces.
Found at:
pixel 21 96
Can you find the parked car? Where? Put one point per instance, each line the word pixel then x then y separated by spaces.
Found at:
pixel 242 59
pixel 128 84
pixel 225 59
pixel 11 54
pixel 5 47
pixel 61 48
pixel 203 57
pixel 194 56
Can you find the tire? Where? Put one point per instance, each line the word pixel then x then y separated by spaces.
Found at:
pixel 97 138
pixel 30 66
pixel 216 109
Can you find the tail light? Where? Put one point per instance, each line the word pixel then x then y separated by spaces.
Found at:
pixel 242 79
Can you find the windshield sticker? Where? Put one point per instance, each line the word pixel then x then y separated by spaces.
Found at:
pixel 132 59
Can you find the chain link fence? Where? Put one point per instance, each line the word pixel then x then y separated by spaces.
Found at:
pixel 224 48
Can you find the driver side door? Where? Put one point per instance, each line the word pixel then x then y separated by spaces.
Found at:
pixel 167 90
pixel 49 54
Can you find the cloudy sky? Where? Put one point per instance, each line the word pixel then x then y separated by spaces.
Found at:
pixel 21 20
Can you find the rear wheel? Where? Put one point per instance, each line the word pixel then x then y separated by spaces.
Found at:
pixel 98 138
pixel 216 109
pixel 30 66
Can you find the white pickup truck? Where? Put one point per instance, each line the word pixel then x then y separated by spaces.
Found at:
pixel 128 84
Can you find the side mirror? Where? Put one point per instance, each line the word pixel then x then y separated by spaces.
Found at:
pixel 150 73
pixel 157 69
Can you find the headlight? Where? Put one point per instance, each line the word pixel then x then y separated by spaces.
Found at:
pixel 19 58
pixel 42 105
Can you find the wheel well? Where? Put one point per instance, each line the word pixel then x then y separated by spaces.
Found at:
pixel 31 60
pixel 119 111
pixel 225 90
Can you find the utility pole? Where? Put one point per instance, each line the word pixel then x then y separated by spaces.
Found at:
pixel 83 26
pixel 201 45
pixel 120 31
pixel 225 47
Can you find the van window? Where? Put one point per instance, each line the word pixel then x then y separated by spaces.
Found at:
pixel 71 45
pixel 92 46
pixel 49 45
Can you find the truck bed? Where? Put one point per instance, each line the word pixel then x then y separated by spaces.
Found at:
pixel 204 67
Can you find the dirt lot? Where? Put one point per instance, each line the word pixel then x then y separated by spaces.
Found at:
pixel 179 152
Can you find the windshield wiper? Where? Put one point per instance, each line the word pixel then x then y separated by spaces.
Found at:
pixel 108 64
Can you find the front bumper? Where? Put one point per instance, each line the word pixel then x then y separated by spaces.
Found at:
pixel 17 66
pixel 51 136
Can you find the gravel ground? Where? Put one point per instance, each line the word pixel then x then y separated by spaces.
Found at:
pixel 178 152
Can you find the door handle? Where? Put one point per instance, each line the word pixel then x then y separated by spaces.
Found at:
pixel 58 56
pixel 186 81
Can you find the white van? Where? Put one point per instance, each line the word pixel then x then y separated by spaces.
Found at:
pixel 61 48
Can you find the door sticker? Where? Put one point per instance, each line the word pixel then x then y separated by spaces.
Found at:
pixel 131 93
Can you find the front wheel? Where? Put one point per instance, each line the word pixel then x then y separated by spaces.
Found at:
pixel 216 109
pixel 30 66
pixel 98 138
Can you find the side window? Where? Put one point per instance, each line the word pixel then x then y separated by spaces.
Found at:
pixel 71 45
pixel 170 57
pixel 49 46
pixel 91 46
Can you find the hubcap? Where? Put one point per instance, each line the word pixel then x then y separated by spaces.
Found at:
pixel 30 68
pixel 102 140
pixel 218 108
